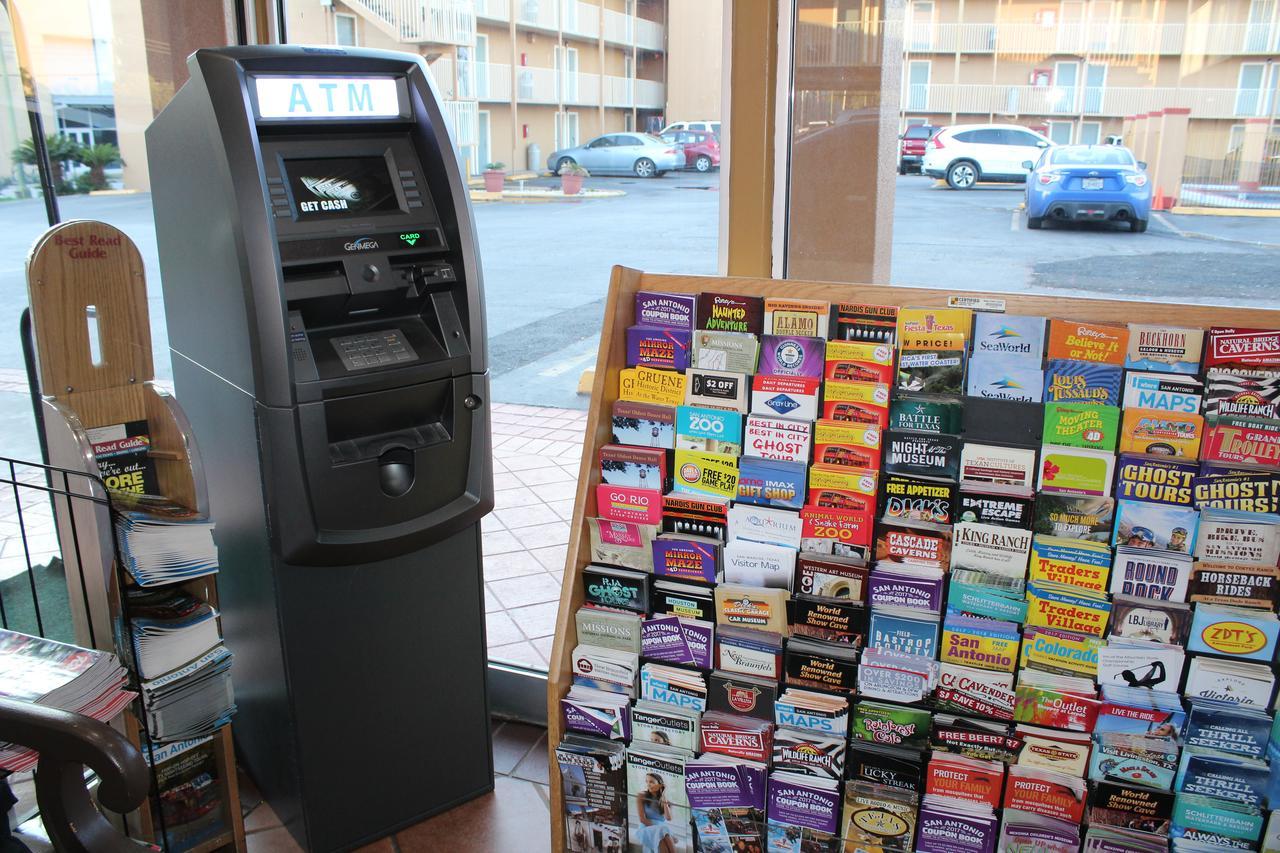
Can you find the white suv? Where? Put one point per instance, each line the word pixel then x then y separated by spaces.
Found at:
pixel 967 153
pixel 707 125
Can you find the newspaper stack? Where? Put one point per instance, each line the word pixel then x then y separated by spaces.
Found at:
pixel 57 675
pixel 192 701
pixel 162 542
pixel 171 628
pixel 186 671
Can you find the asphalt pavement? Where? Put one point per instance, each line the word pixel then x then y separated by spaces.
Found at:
pixel 547 264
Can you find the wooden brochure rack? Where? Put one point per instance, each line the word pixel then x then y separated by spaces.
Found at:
pixel 619 314
pixel 87 289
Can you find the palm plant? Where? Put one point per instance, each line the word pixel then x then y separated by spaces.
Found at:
pixel 62 150
pixel 99 158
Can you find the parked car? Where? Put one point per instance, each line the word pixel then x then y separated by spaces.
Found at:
pixel 638 154
pixel 701 148
pixel 1088 183
pixel 967 153
pixel 911 147
pixel 705 124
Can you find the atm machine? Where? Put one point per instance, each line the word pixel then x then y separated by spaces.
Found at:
pixel 326 322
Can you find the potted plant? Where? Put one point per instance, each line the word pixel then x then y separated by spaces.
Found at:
pixel 571 175
pixel 494 175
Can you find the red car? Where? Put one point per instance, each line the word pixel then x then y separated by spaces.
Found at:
pixel 911 149
pixel 701 148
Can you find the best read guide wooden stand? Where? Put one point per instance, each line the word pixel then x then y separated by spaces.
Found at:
pixel 88 293
pixel 619 312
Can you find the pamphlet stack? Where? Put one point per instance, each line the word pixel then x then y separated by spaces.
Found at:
pixel 867 577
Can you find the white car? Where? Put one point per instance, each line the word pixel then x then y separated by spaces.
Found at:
pixel 964 154
pixel 707 125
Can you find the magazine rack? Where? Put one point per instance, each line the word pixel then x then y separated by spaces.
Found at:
pixel 87 288
pixel 618 315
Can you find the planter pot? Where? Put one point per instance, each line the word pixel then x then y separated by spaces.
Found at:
pixel 571 184
pixel 493 180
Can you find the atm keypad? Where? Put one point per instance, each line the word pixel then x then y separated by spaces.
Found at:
pixel 374 349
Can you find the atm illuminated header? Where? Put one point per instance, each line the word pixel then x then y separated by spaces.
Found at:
pixel 328 97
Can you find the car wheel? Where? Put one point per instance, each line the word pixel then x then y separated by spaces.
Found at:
pixel 562 162
pixel 1035 223
pixel 645 168
pixel 1137 226
pixel 902 169
pixel 962 175
pixel 703 163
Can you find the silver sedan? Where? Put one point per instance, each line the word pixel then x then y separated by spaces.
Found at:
pixel 639 154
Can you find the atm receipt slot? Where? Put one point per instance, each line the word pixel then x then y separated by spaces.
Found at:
pixel 374 349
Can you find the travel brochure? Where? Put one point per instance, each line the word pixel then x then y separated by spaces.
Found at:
pixel 928 579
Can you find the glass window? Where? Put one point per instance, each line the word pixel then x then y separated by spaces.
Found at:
pixel 521 80
pixel 344 27
pixel 1102 155
pixel 1191 90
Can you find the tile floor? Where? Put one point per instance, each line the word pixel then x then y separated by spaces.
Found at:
pixel 536 453
pixel 516 816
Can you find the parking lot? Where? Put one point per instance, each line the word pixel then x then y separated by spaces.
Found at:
pixel 976 239
pixel 547 264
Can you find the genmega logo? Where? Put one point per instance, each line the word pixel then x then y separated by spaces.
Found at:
pixel 361 244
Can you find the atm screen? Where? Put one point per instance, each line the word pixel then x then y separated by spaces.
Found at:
pixel 335 187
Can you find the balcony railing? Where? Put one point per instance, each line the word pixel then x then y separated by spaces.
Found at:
pixel 1013 101
pixel 852 43
pixel 464 121
pixel 539 14
pixel 532 85
pixel 422 21
pixel 493 10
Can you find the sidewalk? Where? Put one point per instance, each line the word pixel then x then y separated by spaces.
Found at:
pixel 536 455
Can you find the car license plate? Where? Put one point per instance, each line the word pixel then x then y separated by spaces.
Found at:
pixel 1092 183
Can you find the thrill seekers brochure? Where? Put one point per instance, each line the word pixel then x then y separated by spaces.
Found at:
pixel 1164 349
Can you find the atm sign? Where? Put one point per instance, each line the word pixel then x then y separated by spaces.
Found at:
pixel 327 97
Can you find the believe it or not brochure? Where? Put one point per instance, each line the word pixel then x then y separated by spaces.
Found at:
pixel 1005 377
pixel 1011 335
pixel 1076 471
pixel 1165 349
pixel 1092 342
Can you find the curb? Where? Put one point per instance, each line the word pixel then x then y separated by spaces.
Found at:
pixel 1227 211
pixel 549 197
pixel 1210 238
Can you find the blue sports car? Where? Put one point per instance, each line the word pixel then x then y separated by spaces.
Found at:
pixel 1088 183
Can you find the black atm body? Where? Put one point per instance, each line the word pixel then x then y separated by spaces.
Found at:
pixel 326 322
